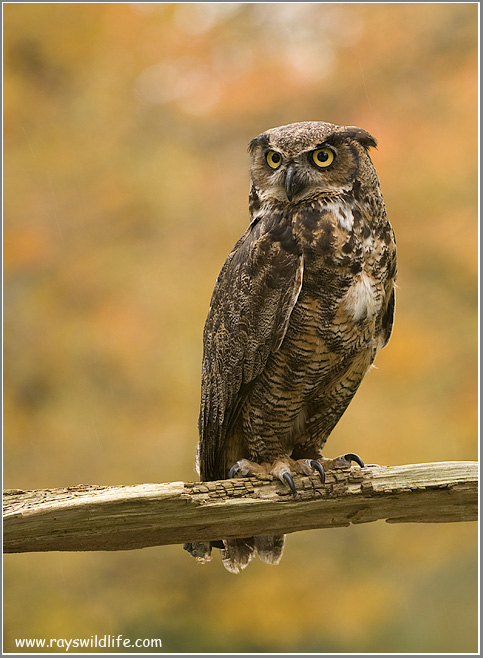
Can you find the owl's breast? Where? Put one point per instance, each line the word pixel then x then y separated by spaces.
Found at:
pixel 346 255
pixel 363 299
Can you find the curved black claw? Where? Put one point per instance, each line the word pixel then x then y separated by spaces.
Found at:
pixel 317 466
pixel 289 480
pixel 351 457
pixel 234 470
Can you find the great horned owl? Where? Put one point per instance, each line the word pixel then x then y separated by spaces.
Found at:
pixel 299 311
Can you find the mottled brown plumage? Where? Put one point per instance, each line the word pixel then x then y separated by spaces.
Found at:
pixel 299 311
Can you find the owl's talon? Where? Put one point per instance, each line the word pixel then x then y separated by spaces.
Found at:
pixel 319 468
pixel 288 479
pixel 244 468
pixel 351 457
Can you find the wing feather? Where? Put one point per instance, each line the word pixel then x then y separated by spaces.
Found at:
pixel 250 309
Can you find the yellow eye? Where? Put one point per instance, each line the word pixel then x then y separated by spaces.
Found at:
pixel 274 159
pixel 323 157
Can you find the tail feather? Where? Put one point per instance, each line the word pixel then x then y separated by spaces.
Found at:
pixel 270 548
pixel 238 552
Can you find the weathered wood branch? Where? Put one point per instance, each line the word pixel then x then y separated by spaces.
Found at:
pixel 95 518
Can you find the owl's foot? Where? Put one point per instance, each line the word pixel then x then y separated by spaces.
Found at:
pixel 344 461
pixel 283 468
pixel 321 464
pixel 244 468
pixel 280 469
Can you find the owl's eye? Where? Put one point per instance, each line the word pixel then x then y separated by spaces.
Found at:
pixel 274 159
pixel 323 157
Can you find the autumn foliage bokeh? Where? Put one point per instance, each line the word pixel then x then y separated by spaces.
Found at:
pixel 125 187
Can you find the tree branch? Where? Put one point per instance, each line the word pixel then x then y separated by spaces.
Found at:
pixel 95 518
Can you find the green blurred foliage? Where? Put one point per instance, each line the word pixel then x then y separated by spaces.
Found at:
pixel 125 181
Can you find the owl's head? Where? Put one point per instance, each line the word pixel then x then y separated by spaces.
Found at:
pixel 306 160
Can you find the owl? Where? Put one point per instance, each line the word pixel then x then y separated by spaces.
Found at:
pixel 301 307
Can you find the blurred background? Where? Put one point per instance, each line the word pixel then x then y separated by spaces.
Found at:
pixel 126 185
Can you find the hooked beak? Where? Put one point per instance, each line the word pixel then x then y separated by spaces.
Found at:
pixel 293 184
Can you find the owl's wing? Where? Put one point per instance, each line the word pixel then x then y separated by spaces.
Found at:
pixel 388 307
pixel 249 314
pixel 387 318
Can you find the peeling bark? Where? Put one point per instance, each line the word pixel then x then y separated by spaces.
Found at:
pixel 97 518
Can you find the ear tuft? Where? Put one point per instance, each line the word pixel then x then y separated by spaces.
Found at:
pixel 362 136
pixel 352 132
pixel 261 140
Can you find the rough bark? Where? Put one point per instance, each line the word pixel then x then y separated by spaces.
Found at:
pixel 94 518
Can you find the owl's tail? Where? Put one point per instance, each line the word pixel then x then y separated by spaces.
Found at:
pixel 238 552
